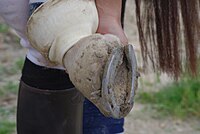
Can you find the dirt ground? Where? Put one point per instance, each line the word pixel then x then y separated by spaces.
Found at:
pixel 141 120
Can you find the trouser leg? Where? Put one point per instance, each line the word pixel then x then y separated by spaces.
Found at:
pixel 49 112
pixel 94 122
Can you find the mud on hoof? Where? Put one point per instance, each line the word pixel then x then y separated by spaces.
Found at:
pixel 105 72
pixel 120 81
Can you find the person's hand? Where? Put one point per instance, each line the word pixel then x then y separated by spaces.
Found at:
pixel 109 12
pixel 109 26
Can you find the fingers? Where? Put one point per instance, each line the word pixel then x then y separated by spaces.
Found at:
pixel 112 27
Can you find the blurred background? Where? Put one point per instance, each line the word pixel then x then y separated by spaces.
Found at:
pixel 162 105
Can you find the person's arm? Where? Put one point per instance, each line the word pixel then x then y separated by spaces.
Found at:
pixel 15 14
pixel 110 18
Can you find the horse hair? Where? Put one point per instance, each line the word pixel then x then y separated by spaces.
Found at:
pixel 169 32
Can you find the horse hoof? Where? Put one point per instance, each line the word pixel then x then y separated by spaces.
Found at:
pixel 120 56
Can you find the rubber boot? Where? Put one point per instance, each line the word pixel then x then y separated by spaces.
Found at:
pixel 49 111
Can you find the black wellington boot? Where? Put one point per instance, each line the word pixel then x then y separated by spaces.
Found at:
pixel 49 111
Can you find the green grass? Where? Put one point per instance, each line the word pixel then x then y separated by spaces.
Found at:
pixel 6 111
pixel 16 67
pixel 4 28
pixel 8 88
pixel 181 99
pixel 13 69
pixel 7 127
pixel 11 87
pixel 1 72
pixel 19 63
